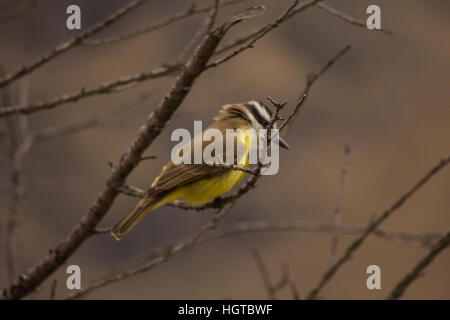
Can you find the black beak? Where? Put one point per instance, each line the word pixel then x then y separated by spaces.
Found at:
pixel 283 144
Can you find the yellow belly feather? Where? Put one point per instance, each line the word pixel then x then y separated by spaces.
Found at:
pixel 204 190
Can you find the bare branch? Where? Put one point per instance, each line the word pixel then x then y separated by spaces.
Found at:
pixel 417 270
pixel 264 274
pixel 169 252
pixel 69 44
pixel 271 290
pixel 337 215
pixel 254 36
pixel 234 167
pixel 53 289
pixel 423 239
pixel 294 291
pixel 262 33
pixel 189 12
pixel 311 79
pixel 18 145
pixel 374 225
pixel 206 27
pixel 104 88
pixel 348 18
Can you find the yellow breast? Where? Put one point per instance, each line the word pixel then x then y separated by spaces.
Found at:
pixel 204 190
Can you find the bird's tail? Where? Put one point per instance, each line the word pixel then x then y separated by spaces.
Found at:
pixel 132 218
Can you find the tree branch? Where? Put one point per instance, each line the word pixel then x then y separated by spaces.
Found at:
pixel 288 13
pixel 311 79
pixel 270 289
pixel 69 44
pixel 417 270
pixel 424 239
pixel 104 88
pixel 207 26
pixel 237 42
pixel 348 18
pixel 374 225
pixel 16 135
pixel 169 252
pixel 189 12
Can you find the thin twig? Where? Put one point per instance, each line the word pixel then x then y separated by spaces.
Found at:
pixel 104 88
pixel 69 44
pixel 423 239
pixel 284 16
pixel 311 79
pixel 348 18
pixel 337 214
pixel 294 291
pixel 417 270
pixel 189 12
pixel 234 167
pixel 374 225
pixel 254 36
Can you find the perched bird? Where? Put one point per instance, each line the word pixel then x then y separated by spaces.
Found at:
pixel 200 183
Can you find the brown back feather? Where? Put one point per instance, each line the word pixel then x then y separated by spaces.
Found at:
pixel 173 176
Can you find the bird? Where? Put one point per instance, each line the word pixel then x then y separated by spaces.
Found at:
pixel 197 184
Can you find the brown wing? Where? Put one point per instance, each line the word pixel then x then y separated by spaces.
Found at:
pixel 177 175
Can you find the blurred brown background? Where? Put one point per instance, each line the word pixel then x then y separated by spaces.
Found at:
pixel 388 98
